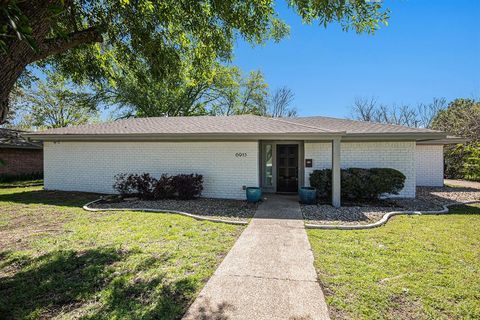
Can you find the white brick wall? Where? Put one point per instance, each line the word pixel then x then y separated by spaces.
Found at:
pixel 396 155
pixel 429 160
pixel 91 166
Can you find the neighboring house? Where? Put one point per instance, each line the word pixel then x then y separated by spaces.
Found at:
pixel 18 156
pixel 235 152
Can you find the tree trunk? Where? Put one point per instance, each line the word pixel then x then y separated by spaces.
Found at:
pixel 19 54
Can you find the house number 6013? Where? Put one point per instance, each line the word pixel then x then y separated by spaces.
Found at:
pixel 240 154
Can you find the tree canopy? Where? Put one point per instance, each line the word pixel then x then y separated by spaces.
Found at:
pixel 53 103
pixel 177 40
pixel 228 92
pixel 461 118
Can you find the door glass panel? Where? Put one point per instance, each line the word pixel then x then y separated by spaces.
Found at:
pixel 268 166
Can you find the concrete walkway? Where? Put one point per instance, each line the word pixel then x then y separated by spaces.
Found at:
pixel 463 183
pixel 268 274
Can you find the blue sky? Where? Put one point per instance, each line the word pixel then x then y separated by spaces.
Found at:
pixel 429 49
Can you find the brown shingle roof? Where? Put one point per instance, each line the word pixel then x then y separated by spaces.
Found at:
pixel 233 125
pixel 192 125
pixel 357 127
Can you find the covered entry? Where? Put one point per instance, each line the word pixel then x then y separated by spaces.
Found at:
pixel 282 166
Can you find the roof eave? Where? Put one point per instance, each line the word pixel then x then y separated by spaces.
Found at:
pixel 399 136
pixel 176 137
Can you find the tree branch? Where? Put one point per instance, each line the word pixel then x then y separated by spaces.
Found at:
pixel 58 45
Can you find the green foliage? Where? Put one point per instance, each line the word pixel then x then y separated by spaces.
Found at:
pixel 242 95
pixel 461 118
pixel 471 164
pixel 322 181
pixel 362 16
pixel 226 92
pixel 164 44
pixel 15 22
pixel 21 177
pixel 359 183
pixel 53 103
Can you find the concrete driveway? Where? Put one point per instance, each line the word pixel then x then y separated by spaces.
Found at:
pixel 268 274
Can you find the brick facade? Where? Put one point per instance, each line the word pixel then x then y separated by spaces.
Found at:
pixel 21 161
pixel 429 161
pixel 91 166
pixel 395 155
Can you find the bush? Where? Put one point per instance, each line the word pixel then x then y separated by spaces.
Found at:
pixel 188 186
pixel 21 177
pixel 358 183
pixel 164 188
pixel 124 184
pixel 322 181
pixel 142 185
pixel 145 185
pixel 462 161
pixel 184 186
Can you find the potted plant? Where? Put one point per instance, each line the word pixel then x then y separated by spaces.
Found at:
pixel 254 194
pixel 308 195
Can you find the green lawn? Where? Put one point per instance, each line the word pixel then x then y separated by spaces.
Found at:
pixel 57 260
pixel 414 267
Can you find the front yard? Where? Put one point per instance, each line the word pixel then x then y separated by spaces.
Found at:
pixel 57 260
pixel 414 267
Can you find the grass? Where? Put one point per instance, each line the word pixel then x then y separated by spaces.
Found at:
pixel 57 260
pixel 415 267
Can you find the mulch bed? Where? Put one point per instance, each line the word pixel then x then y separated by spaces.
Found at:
pixel 237 210
pixel 428 199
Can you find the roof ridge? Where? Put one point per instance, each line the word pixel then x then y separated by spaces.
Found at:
pixel 300 124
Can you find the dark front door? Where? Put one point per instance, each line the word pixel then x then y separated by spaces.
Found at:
pixel 287 167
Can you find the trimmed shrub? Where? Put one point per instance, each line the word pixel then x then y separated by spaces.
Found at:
pixel 124 184
pixel 145 185
pixel 359 183
pixel 142 185
pixel 164 188
pixel 322 181
pixel 188 186
pixel 183 186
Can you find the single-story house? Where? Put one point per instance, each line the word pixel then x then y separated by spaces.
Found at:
pixel 18 155
pixel 234 152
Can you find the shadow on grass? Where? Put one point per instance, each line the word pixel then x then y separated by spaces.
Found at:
pixel 465 209
pixel 206 310
pixel 57 198
pixel 70 281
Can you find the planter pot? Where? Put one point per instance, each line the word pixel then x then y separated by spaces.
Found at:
pixel 254 194
pixel 308 195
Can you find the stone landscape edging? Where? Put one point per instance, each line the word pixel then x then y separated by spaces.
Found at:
pixel 191 215
pixel 376 224
pixel 384 219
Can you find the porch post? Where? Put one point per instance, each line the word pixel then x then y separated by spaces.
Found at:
pixel 336 172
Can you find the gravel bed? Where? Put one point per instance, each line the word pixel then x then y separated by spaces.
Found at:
pixel 326 214
pixel 428 198
pixel 216 208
